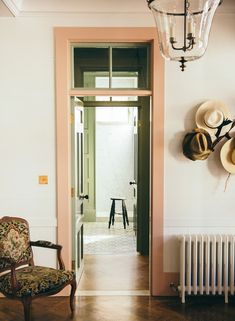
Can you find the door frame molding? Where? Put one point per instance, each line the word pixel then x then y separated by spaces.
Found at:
pixel 64 37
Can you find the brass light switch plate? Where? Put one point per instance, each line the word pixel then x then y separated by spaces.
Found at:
pixel 43 179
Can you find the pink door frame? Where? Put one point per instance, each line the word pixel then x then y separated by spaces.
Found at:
pixel 64 37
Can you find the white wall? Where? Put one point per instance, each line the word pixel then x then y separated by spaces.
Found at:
pixel 195 200
pixel 27 125
pixel 27 114
pixel 114 166
pixel 194 196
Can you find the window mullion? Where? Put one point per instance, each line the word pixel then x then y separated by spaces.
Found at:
pixel 110 67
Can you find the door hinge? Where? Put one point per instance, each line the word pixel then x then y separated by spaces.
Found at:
pixel 72 191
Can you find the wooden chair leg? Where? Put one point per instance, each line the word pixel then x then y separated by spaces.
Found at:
pixel 27 308
pixel 72 293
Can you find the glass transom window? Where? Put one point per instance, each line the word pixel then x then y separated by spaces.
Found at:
pixel 110 66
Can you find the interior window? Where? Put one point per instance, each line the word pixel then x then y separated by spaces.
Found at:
pixel 113 66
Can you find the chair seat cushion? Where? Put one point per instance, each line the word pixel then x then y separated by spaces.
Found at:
pixel 34 280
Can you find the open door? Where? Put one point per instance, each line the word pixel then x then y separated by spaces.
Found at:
pixel 89 163
pixel 77 189
pixel 135 178
pixel 143 186
pixel 141 180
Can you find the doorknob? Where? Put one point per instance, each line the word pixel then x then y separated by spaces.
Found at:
pixel 82 197
pixel 133 183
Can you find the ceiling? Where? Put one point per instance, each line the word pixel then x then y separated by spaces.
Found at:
pixel 32 8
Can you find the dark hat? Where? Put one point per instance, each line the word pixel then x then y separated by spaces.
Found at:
pixel 197 145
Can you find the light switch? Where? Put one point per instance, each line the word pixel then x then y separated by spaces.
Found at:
pixel 43 179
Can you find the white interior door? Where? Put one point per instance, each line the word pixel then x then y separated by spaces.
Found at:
pixel 77 189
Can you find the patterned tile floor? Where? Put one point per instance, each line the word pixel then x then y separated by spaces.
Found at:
pixel 99 239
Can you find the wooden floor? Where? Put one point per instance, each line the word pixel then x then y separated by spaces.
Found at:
pixel 115 273
pixel 120 273
pixel 109 308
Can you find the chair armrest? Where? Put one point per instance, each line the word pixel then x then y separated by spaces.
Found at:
pixel 42 243
pixel 49 245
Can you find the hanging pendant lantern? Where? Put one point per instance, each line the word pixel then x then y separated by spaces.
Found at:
pixel 183 27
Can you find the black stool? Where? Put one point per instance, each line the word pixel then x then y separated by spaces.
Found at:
pixel 124 211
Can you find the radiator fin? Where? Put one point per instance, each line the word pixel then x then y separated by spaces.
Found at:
pixel 207 265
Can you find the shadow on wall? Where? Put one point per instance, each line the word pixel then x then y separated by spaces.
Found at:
pixel 175 144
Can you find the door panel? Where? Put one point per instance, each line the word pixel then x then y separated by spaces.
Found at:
pixel 135 178
pixel 143 183
pixel 141 179
pixel 77 180
pixel 89 164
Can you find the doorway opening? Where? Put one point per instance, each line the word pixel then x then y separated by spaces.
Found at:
pixel 65 38
pixel 111 164
pixel 109 155
pixel 111 160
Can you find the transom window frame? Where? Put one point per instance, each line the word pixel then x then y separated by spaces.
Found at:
pixel 110 46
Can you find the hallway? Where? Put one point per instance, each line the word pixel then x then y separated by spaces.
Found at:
pixel 101 240
pixel 111 263
pixel 115 273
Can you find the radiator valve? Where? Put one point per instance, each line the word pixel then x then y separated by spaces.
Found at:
pixel 174 287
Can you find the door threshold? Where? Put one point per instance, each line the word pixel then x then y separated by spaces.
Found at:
pixel 113 293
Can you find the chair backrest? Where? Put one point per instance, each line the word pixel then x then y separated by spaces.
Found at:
pixel 14 242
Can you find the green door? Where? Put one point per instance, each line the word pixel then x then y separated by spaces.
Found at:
pixel 143 176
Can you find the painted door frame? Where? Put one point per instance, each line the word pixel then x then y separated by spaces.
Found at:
pixel 64 38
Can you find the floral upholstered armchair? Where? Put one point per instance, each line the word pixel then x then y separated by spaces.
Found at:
pixel 20 279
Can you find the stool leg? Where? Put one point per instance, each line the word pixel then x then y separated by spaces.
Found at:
pixel 113 216
pixel 112 212
pixel 125 212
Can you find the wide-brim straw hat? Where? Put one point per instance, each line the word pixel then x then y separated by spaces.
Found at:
pixel 227 155
pixel 211 114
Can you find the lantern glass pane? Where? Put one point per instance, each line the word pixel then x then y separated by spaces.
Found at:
pixel 183 26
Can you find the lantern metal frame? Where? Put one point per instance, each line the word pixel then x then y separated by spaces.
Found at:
pixel 188 38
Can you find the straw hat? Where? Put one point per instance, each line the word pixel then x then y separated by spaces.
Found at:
pixel 197 145
pixel 211 115
pixel 227 155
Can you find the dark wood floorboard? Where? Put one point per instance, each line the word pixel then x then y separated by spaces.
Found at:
pixel 115 273
pixel 124 308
